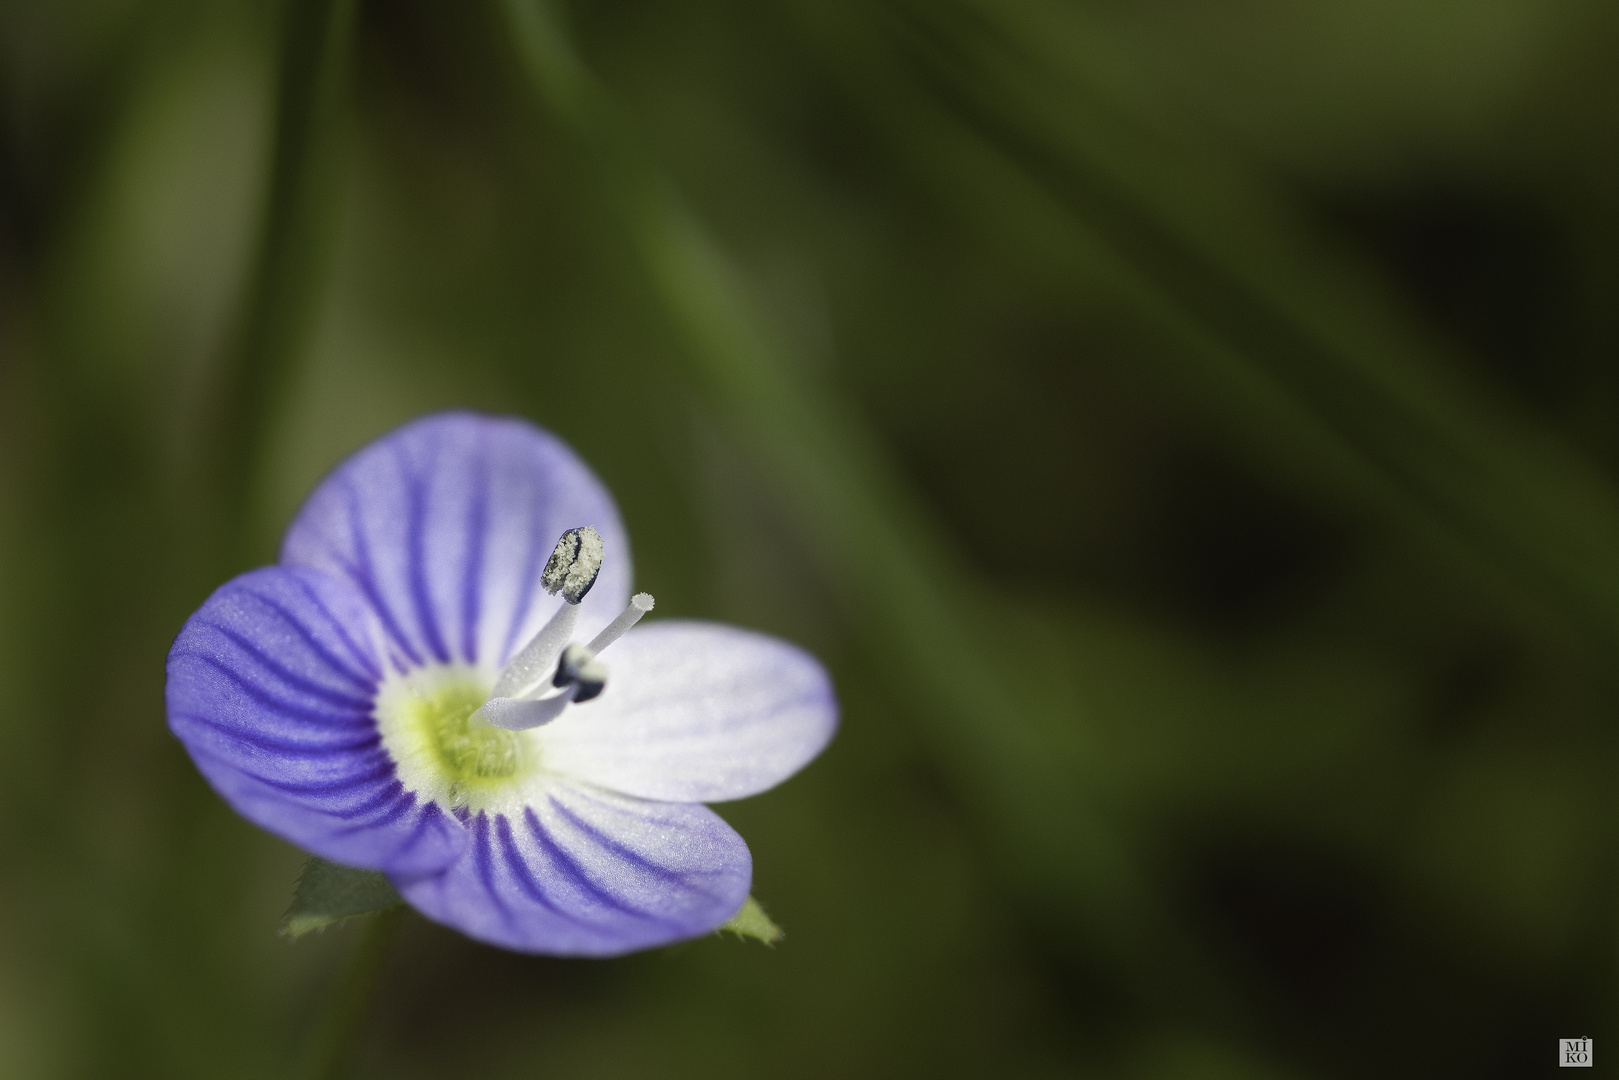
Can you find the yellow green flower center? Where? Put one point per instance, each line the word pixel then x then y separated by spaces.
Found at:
pixel 427 728
pixel 465 753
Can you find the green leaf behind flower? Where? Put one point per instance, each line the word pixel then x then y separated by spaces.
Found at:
pixel 328 893
pixel 752 922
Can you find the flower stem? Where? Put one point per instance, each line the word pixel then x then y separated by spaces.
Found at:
pixel 350 995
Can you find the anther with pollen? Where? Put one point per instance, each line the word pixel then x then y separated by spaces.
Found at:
pixel 516 702
pixel 572 569
pixel 574 564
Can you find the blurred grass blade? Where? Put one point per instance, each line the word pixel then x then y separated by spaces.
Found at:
pixel 294 246
pixel 904 595
pixel 1293 332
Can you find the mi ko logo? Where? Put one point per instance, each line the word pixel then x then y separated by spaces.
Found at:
pixel 1574 1053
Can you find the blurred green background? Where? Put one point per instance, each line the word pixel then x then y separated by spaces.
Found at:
pixel 1189 433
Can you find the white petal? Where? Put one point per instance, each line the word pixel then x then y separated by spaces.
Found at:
pixel 696 712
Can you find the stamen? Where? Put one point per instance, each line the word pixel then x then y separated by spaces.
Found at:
pixel 580 669
pixel 640 604
pixel 514 703
pixel 533 664
pixel 574 564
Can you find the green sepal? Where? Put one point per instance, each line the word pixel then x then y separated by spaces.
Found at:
pixel 752 922
pixel 328 893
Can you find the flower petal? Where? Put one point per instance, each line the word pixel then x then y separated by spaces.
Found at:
pixel 271 687
pixel 582 872
pixel 444 526
pixel 696 712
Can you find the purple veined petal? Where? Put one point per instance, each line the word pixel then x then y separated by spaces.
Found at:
pixel 583 872
pixel 444 526
pixel 271 687
pixel 696 712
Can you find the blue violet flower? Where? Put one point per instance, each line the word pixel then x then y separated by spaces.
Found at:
pixel 440 680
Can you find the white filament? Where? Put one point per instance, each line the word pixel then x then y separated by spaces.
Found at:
pixel 529 667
